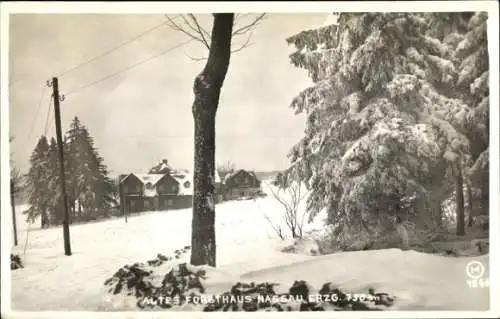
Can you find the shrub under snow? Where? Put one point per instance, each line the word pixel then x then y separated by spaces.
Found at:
pixel 162 284
pixel 15 262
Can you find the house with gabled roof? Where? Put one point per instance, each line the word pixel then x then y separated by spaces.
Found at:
pixel 240 184
pixel 148 192
pixel 145 192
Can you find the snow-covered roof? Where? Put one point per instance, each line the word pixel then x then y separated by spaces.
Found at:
pixel 185 180
pixel 145 178
pixel 179 171
pixel 230 175
pixel 149 178
pixel 149 181
pixel 183 176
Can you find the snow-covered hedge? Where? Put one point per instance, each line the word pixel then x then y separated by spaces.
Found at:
pixel 162 284
pixel 15 262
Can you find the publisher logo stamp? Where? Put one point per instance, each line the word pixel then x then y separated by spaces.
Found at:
pixel 475 272
pixel 474 269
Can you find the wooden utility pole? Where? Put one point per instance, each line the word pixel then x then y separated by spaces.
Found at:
pixel 57 99
pixel 13 205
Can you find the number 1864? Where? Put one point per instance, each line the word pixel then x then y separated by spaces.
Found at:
pixel 478 283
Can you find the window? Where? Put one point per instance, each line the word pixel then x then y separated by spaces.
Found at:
pixel 161 188
pixel 187 184
pixel 174 189
pixel 125 189
pixel 138 188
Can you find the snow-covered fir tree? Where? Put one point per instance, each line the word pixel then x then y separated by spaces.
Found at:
pixel 76 168
pixel 384 123
pixel 88 186
pixel 473 84
pixel 56 205
pixel 37 181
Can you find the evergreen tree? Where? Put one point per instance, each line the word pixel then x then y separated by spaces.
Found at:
pixel 382 128
pixel 445 34
pixel 98 187
pixel 463 39
pixel 96 175
pixel 74 165
pixel 55 201
pixel 88 181
pixel 473 83
pixel 38 180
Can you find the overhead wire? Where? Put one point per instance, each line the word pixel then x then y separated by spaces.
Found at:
pixel 107 52
pixel 128 68
pixel 40 100
pixel 94 58
pixel 115 48
pixel 47 118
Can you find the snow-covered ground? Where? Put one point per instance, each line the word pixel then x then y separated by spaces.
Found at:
pixel 247 250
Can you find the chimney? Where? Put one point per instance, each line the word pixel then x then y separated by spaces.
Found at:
pixel 164 161
pixel 121 177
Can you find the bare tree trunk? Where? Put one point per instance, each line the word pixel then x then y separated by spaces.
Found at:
pixel 469 204
pixel 459 190
pixel 485 197
pixel 43 218
pixel 207 87
pixel 13 207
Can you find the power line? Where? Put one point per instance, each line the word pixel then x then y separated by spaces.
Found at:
pixel 137 37
pixel 44 88
pixel 107 52
pixel 129 67
pixel 47 119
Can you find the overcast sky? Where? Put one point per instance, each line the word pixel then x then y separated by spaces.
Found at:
pixel 143 115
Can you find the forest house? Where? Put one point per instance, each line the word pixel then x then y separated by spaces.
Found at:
pixel 154 192
pixel 240 184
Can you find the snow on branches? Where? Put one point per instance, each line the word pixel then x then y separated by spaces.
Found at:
pixel 383 114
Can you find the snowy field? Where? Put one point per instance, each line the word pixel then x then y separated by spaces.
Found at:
pixel 247 250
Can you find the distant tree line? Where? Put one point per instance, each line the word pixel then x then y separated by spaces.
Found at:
pixel 91 193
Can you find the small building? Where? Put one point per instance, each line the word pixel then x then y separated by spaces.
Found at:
pixel 153 192
pixel 145 192
pixel 240 184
